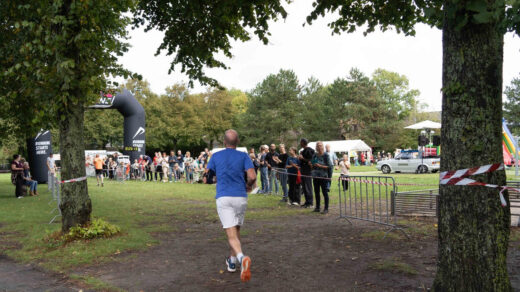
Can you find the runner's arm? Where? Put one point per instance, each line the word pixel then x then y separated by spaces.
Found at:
pixel 251 179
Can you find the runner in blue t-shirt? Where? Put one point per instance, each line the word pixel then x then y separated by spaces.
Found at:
pixel 229 166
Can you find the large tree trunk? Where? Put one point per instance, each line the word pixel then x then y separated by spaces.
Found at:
pixel 473 226
pixel 75 203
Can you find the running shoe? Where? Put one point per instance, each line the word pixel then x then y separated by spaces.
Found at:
pixel 245 269
pixel 231 266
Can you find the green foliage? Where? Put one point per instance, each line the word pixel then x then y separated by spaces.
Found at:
pixel 102 127
pixel 404 15
pixel 179 119
pixel 273 110
pixel 196 30
pixel 56 55
pixel 512 106
pixel 393 89
pixel 98 228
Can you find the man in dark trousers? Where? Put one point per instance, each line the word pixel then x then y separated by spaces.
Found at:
pixel 305 162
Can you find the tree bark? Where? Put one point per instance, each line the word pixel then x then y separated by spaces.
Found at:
pixel 473 226
pixel 75 202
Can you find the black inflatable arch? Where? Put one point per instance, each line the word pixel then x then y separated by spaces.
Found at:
pixel 134 121
pixel 40 147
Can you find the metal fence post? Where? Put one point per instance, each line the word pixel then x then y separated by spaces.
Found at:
pixel 392 204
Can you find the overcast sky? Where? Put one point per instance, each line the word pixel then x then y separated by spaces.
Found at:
pixel 313 51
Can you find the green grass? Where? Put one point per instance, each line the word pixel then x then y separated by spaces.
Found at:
pixel 140 209
pixel 95 283
pixel 394 266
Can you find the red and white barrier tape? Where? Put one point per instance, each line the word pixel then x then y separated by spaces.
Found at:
pixel 73 180
pixel 459 178
pixel 453 177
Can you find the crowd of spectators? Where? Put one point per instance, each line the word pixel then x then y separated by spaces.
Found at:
pixel 307 171
pixel 175 167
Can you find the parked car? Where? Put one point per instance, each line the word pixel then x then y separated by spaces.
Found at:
pixel 410 161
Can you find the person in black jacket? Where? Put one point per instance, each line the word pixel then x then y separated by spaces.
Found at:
pixel 17 175
pixel 305 169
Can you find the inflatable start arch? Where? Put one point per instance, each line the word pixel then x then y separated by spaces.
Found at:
pixel 40 147
pixel 134 121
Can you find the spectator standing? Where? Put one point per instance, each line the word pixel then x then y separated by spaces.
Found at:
pixel 158 166
pixel 148 167
pixel 17 175
pixel 142 167
pixel 51 171
pixel 333 161
pixel 98 165
pixel 135 169
pixel 165 167
pixel 281 161
pixel 32 184
pixel 264 170
pixel 305 169
pixel 113 167
pixel 180 161
pixel 272 165
pixel 320 166
pixel 172 160
pixel 255 162
pixel 293 165
pixel 188 167
pixel 344 166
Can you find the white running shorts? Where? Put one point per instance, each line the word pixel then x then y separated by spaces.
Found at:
pixel 231 211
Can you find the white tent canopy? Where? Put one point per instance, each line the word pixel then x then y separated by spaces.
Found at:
pixel 424 125
pixel 241 149
pixel 344 145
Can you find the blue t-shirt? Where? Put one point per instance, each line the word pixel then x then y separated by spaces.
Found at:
pixel 229 166
pixel 295 161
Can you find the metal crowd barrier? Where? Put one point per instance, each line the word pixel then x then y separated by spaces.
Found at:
pixel 120 173
pixel 56 196
pixel 368 198
pixel 90 171
pixel 425 203
pixel 514 201
pixel 416 203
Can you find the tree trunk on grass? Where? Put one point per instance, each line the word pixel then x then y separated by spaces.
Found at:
pixel 75 203
pixel 473 226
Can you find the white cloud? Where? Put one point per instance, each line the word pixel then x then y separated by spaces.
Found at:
pixel 313 51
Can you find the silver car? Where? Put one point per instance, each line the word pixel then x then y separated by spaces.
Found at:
pixel 409 162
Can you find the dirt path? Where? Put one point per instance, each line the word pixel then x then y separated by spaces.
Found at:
pixel 18 277
pixel 301 253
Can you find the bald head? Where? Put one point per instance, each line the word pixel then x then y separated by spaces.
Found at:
pixel 231 138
